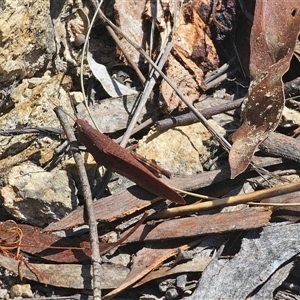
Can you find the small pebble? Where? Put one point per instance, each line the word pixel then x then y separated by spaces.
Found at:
pixel 21 290
pixel 121 259
pixel 181 281
pixel 166 284
pixel 171 294
pixel 3 292
pixel 79 39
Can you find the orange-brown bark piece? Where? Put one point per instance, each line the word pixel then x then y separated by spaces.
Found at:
pixel 134 199
pixel 145 260
pixel 193 54
pixel 39 243
pixel 201 225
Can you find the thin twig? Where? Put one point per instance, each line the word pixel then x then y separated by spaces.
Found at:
pixel 219 137
pixel 50 130
pixel 151 82
pixel 96 259
pixel 117 40
pixel 218 72
pixel 233 200
pixel 189 118
pixel 221 78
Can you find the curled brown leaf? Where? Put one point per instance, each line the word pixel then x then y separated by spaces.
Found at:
pixel 273 39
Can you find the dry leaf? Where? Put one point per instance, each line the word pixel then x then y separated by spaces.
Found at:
pixel 273 38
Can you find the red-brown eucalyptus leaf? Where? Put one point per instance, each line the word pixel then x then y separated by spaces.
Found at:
pixel 273 34
pixel 115 158
pixel 39 243
pixel 273 38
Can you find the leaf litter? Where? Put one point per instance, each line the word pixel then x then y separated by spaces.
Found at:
pixel 171 229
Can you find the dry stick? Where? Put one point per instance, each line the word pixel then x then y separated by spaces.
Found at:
pixel 119 44
pixel 189 118
pixel 220 138
pixel 96 259
pixel 218 72
pixel 290 87
pixel 223 142
pixel 50 130
pixel 221 78
pixel 233 200
pixel 150 83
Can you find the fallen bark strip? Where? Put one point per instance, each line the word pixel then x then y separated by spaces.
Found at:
pixel 108 209
pixel 73 276
pixel 147 259
pixel 263 252
pixel 197 264
pixel 202 225
pixel 134 199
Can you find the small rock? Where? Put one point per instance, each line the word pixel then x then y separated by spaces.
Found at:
pixel 3 293
pixel 29 46
pixel 33 108
pixel 181 150
pixel 171 294
pixel 121 259
pixel 290 117
pixel 166 284
pixel 77 97
pixel 221 93
pixel 181 281
pixel 23 290
pixel 37 197
pixel 150 297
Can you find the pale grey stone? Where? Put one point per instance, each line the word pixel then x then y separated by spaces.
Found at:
pixel 37 197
